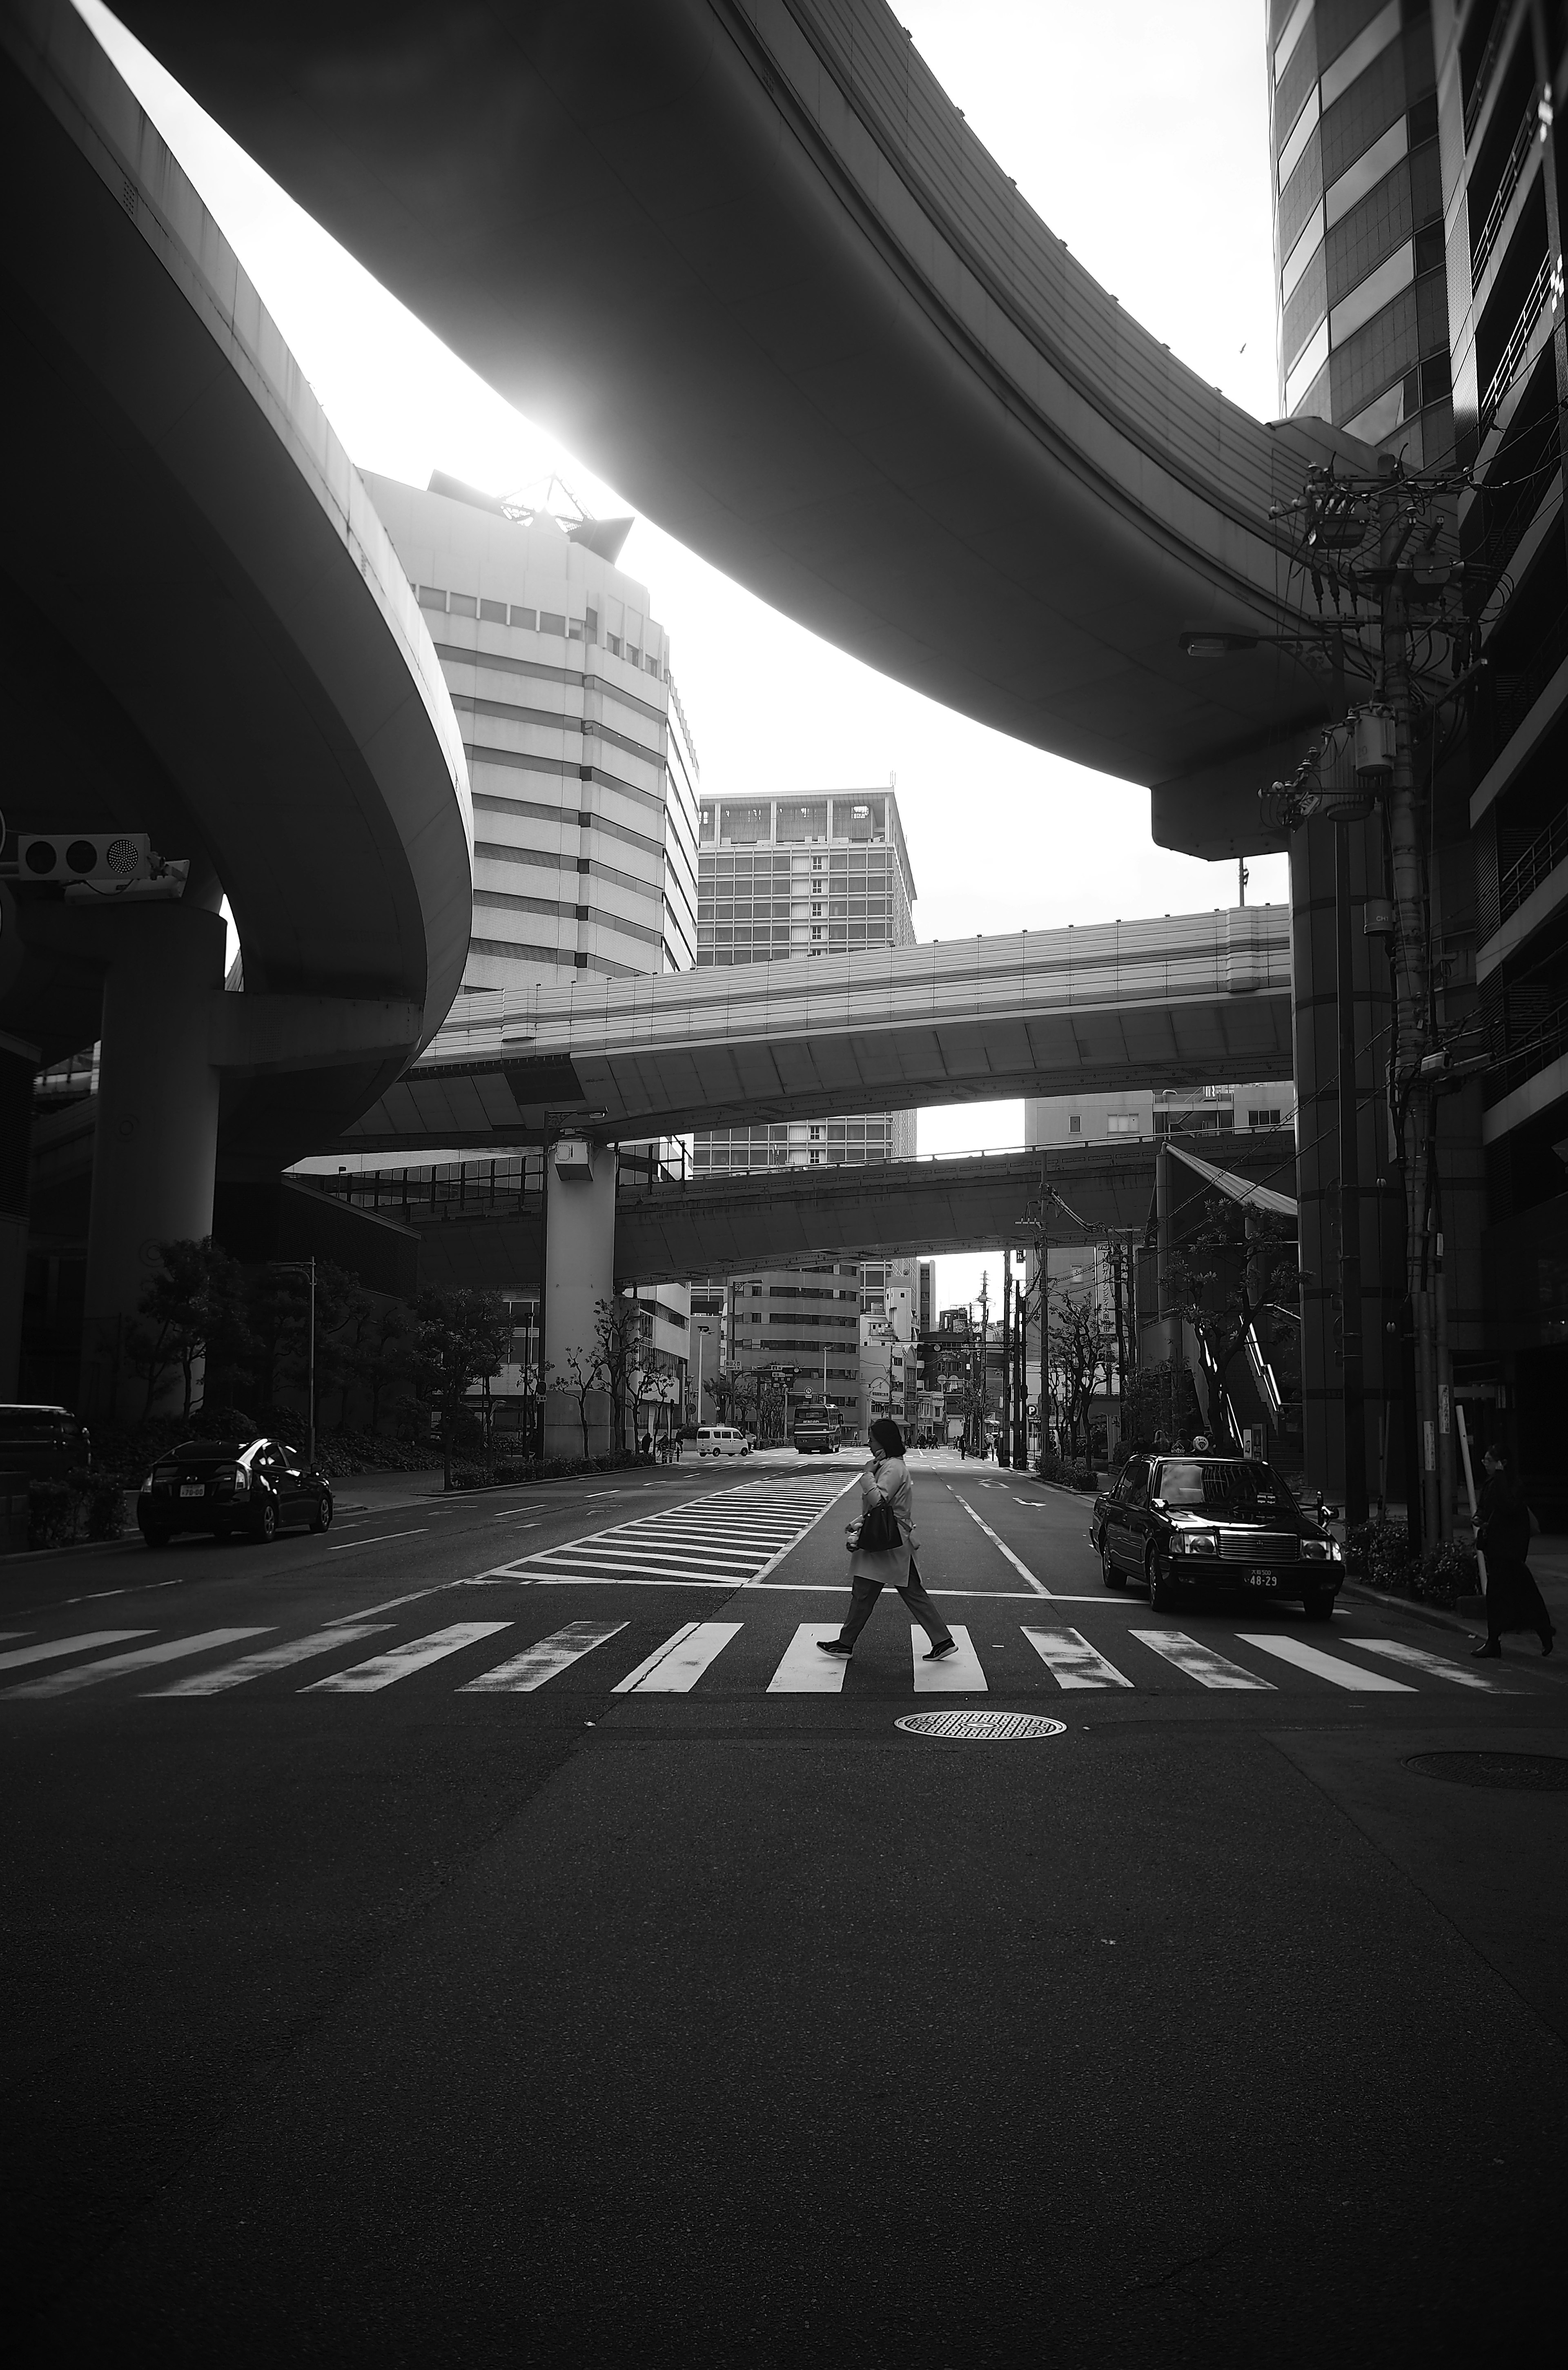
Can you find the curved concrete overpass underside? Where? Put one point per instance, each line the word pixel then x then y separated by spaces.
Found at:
pixel 732 1225
pixel 206 633
pixel 1174 1002
pixel 748 259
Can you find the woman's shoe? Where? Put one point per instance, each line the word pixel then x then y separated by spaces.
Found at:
pixel 1545 1638
pixel 940 1653
pixel 835 1646
pixel 1490 1653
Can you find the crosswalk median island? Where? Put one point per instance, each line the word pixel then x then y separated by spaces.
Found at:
pixel 537 1665
pixel 1349 1675
pixel 676 1666
pixel 401 1661
pixel 1200 1662
pixel 1073 1662
pixel 144 1658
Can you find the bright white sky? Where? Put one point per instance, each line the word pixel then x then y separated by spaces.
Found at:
pixel 1140 133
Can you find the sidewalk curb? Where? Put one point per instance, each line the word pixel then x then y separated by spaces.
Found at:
pixel 1410 1606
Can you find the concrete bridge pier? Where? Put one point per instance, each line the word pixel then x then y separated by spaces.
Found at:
pixel 580 1268
pixel 155 1150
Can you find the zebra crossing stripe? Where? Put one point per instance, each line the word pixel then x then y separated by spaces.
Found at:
pixel 115 1666
pixel 960 1675
pixel 805 1669
pixel 58 1646
pixel 1200 1662
pixel 1072 1661
pixel 1417 1659
pixel 401 1661
pixel 537 1665
pixel 1325 1667
pixel 680 1660
pixel 269 1658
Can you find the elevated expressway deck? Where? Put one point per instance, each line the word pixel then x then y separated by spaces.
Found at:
pixel 749 261
pixel 1154 1002
pixel 207 638
pixel 724 1225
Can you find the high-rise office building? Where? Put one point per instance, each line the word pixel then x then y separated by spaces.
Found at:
pixel 1418 154
pixel 782 878
pixel 778 877
pixel 1362 316
pixel 582 766
pixel 582 769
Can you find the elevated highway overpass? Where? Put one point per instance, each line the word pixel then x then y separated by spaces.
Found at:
pixel 748 259
pixel 667 1233
pixel 208 639
pixel 1173 1002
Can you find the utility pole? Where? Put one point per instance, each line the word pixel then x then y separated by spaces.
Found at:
pixel 1411 1090
pixel 984 1349
pixel 1005 1439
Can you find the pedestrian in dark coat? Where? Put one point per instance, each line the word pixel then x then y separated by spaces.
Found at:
pixel 872 1569
pixel 1503 1526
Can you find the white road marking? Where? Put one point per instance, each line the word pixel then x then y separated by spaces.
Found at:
pixel 1324 1667
pixel 543 1662
pixel 391 1605
pixel 680 1662
pixel 268 1658
pixel 114 1666
pixel 401 1661
pixel 379 1541
pixel 1072 1661
pixel 1418 1659
pixel 1200 1662
pixel 1022 1568
pixel 960 1675
pixel 58 1646
pixel 805 1669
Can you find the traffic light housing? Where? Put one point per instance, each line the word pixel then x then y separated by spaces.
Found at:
pixel 101 859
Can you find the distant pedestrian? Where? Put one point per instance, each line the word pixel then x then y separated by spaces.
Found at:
pixel 1504 1526
pixel 886 1481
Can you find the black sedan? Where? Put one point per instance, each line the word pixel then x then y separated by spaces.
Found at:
pixel 232 1489
pixel 1222 1525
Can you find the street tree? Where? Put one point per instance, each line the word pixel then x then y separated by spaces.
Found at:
pixel 191 1311
pixel 463 1337
pixel 618 1331
pixel 583 1369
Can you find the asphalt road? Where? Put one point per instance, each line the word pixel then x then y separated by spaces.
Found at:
pixel 475 1937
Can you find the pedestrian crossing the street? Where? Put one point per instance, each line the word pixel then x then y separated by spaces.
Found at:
pixel 735 1656
pixel 727 1539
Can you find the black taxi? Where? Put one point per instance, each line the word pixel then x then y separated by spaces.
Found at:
pixel 1224 1525
pixel 233 1489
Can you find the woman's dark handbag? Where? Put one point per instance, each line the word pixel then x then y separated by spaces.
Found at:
pixel 879 1528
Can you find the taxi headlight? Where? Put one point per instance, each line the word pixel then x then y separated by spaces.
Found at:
pixel 1318 1550
pixel 1203 1543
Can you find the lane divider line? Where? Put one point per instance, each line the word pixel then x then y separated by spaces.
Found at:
pixel 1019 1566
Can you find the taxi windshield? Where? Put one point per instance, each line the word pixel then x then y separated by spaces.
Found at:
pixel 1225 1486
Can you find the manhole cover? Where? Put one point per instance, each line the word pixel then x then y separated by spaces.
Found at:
pixel 980 1727
pixel 1525 1773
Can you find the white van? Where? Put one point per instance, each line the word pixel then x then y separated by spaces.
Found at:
pixel 721 1440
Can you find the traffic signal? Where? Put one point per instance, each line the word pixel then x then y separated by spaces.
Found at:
pixel 110 859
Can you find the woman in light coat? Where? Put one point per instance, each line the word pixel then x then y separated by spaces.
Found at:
pixel 872 1569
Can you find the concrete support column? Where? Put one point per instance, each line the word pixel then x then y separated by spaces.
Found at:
pixel 580 1271
pixel 155 1150
pixel 1346 1242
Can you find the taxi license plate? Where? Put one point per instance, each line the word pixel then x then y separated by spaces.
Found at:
pixel 193 1488
pixel 1262 1579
